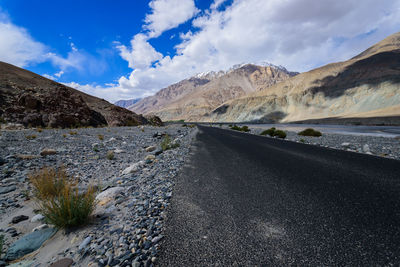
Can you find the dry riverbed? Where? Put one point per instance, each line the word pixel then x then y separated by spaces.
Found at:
pixel 134 191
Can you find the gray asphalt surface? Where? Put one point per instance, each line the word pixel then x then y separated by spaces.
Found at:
pixel 246 200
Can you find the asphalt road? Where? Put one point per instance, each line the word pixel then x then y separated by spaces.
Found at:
pixel 246 200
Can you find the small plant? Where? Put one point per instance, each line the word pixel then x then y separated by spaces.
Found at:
pixel 302 140
pixel 166 143
pixel 310 132
pixel 64 135
pixel 2 120
pixel 101 137
pixel 2 241
pixel 184 125
pixel 26 194
pixel 110 155
pixel 60 200
pixel 240 129
pixel 31 137
pixel 73 132
pixel 280 134
pixel 270 131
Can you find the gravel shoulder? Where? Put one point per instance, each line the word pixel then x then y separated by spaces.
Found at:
pixel 136 189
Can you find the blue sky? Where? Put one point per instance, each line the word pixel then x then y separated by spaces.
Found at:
pixel 127 49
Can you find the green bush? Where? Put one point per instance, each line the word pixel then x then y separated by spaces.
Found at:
pixel 310 132
pixel 59 198
pixel 240 129
pixel 280 134
pixel 110 155
pixel 270 132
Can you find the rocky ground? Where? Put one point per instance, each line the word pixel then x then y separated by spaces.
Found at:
pixel 379 146
pixel 134 191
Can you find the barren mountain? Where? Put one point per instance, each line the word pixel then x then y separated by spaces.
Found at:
pixel 193 98
pixel 126 103
pixel 367 85
pixel 31 99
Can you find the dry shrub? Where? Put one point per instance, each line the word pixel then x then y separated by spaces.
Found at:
pixel 101 137
pixel 59 198
pixel 49 182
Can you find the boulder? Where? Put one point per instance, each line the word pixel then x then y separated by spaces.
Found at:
pixel 29 243
pixel 366 148
pixel 108 195
pixel 133 168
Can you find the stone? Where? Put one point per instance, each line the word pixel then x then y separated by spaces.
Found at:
pixel 150 157
pixel 156 239
pixel 112 139
pixel 37 218
pixel 84 243
pixel 345 145
pixel 7 189
pixel 29 243
pixel 133 168
pixel 366 148
pixel 22 264
pixel 2 161
pixel 150 148
pixel 66 262
pixel 19 218
pixel 47 152
pixel 118 151
pixel 26 157
pixel 108 195
pixel 40 227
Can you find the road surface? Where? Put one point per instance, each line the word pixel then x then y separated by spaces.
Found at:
pixel 246 200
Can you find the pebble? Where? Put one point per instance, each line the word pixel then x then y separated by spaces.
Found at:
pixel 130 209
pixel 19 218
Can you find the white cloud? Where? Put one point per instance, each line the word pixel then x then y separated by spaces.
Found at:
pixel 298 34
pixel 141 55
pixel 17 46
pixel 168 14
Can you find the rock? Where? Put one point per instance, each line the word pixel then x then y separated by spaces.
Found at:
pixel 2 161
pixel 7 189
pixel 150 158
pixel 156 239
pixel 154 120
pixel 47 152
pixel 345 145
pixel 112 139
pixel 19 218
pixel 28 243
pixel 108 195
pixel 66 262
pixel 84 243
pixel 133 168
pixel 118 151
pixel 366 148
pixel 158 152
pixel 22 264
pixel 150 148
pixel 37 218
pixel 25 157
pixel 40 227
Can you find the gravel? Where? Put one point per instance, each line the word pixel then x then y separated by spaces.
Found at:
pixel 128 225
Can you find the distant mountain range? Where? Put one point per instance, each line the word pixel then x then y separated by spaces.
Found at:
pixel 368 85
pixel 194 98
pixel 33 100
pixel 126 103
